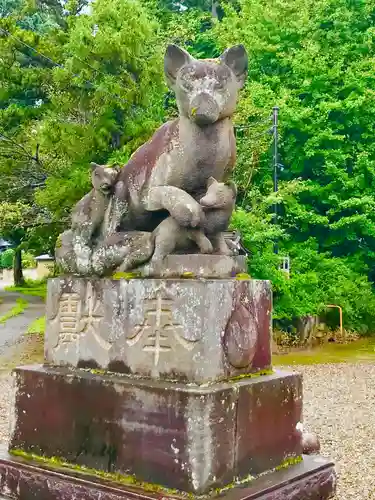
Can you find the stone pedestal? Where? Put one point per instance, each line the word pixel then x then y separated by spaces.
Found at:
pixel 27 479
pixel 177 329
pixel 162 383
pixel 189 438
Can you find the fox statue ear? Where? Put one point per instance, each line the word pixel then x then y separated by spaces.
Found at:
pixel 211 181
pixel 94 166
pixel 236 59
pixel 175 58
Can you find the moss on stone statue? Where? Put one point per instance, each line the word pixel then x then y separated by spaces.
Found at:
pixel 238 482
pixel 187 275
pixel 244 376
pixel 289 462
pixel 243 276
pixel 125 276
pixel 130 480
pixel 123 479
pixel 96 371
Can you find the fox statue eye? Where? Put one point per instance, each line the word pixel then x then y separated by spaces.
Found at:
pixel 186 84
pixel 219 85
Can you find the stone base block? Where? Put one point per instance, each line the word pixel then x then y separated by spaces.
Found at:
pixel 192 438
pixel 198 266
pixel 312 479
pixel 184 329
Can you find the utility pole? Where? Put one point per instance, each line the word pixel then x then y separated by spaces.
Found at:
pixel 275 120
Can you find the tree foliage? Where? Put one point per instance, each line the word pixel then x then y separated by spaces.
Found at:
pixel 81 83
pixel 315 60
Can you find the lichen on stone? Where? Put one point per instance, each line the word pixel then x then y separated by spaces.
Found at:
pixel 243 276
pixel 125 276
pixel 289 462
pixel 259 373
pixel 188 275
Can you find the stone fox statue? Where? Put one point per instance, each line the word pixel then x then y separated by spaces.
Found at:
pixel 88 223
pixel 88 248
pixel 169 174
pixel 217 204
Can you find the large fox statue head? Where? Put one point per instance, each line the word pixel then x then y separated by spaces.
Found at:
pixel 206 89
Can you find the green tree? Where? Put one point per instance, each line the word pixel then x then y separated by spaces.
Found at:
pixel 314 60
pixel 106 98
pixel 86 87
pixel 24 80
pixel 7 258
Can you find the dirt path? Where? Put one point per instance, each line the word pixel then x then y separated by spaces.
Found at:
pixel 15 348
pixel 12 330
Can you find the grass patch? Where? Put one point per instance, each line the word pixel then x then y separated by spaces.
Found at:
pixel 35 288
pixel 37 326
pixel 21 305
pixel 359 351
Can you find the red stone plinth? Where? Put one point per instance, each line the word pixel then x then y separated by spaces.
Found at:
pixel 312 479
pixel 192 438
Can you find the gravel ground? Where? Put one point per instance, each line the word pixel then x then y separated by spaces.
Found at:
pixel 5 397
pixel 339 404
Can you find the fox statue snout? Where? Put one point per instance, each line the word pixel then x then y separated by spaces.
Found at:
pixel 204 109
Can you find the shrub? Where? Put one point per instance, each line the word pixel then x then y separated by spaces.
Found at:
pixel 6 259
pixel 28 260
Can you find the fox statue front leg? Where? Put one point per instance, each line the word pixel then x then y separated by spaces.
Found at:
pixel 181 206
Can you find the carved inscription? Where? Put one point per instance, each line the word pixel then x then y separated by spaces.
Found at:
pixel 158 328
pixel 68 317
pixel 92 317
pixel 76 316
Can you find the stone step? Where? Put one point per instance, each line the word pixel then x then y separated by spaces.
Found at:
pixel 313 478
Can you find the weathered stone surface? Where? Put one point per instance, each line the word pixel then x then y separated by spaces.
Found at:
pixel 170 237
pixel 193 330
pixel 196 266
pixel 168 176
pixel 269 404
pixel 313 479
pixel 310 443
pixel 184 437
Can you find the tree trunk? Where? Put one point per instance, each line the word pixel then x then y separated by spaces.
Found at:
pixel 17 268
pixel 306 327
pixel 214 7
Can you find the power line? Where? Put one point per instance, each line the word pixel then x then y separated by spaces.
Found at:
pixel 31 48
pixel 254 124
pixel 262 134
pixel 58 65
pixel 89 82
